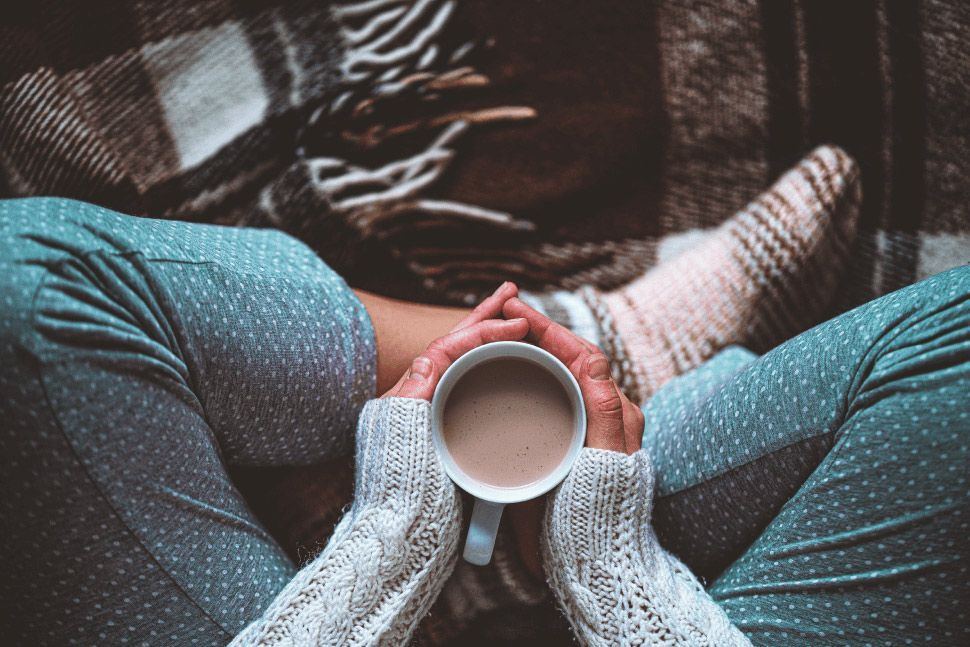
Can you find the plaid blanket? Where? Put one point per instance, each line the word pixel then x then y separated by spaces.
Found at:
pixel 327 121
pixel 600 131
pixel 428 149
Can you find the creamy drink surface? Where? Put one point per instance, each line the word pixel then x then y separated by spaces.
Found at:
pixel 508 422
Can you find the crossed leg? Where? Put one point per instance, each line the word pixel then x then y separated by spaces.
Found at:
pixel 822 488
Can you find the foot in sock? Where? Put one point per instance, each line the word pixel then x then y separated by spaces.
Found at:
pixel 764 275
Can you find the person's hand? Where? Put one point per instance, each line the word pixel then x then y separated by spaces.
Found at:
pixel 613 422
pixel 482 326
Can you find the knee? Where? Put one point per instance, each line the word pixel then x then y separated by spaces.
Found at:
pixel 948 289
pixel 921 331
pixel 50 282
pixel 29 217
pixel 934 311
pixel 23 264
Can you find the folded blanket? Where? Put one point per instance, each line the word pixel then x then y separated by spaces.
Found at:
pixel 327 120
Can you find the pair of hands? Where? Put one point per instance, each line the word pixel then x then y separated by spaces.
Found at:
pixel 613 422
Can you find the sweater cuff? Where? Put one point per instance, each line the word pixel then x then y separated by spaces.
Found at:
pixel 396 461
pixel 389 556
pixel 603 504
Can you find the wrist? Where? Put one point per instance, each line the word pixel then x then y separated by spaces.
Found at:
pixel 397 466
pixel 602 507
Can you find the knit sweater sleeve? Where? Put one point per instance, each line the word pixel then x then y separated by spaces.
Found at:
pixel 611 576
pixel 390 554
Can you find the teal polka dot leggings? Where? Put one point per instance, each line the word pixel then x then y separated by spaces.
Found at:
pixel 820 490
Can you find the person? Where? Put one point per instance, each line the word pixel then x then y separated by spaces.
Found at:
pixel 822 486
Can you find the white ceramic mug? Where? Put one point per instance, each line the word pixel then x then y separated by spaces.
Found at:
pixel 489 499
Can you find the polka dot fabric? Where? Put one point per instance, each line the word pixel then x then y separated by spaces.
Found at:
pixel 140 359
pixel 823 487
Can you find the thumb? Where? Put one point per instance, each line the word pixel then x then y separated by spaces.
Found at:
pixel 604 406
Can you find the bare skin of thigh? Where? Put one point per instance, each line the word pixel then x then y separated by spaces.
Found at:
pixel 403 330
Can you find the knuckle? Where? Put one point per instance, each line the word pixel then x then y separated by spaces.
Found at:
pixel 609 404
pixel 437 346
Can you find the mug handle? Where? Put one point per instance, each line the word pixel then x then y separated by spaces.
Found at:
pixel 482 531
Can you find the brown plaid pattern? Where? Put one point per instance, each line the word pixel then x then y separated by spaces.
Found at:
pixel 156 111
pixel 286 115
pixel 731 94
pixel 321 119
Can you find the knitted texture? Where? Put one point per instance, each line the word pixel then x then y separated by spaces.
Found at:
pixel 763 276
pixel 327 120
pixel 766 274
pixel 612 578
pixel 653 119
pixel 390 554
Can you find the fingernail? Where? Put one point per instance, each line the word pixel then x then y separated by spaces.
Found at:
pixel 500 288
pixel 515 320
pixel 421 368
pixel 598 367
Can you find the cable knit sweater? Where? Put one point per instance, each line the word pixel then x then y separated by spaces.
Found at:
pixel 615 582
pixel 393 551
pixel 390 554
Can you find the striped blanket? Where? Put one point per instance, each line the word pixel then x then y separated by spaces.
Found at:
pixel 428 149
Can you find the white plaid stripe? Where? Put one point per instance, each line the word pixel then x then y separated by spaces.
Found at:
pixel 210 89
pixel 939 252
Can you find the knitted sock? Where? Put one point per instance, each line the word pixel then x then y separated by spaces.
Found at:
pixel 764 275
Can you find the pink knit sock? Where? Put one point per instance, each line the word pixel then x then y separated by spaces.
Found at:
pixel 764 275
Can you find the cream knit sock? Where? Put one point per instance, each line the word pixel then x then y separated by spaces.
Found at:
pixel 764 275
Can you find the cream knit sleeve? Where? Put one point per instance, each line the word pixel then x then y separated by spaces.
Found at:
pixel 615 583
pixel 389 555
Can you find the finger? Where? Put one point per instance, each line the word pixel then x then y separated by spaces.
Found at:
pixel 516 307
pixel 604 402
pixel 604 405
pixel 427 369
pixel 394 390
pixel 632 425
pixel 455 344
pixel 569 348
pixel 418 382
pixel 491 307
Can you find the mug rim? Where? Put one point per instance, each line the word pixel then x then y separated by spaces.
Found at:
pixel 499 350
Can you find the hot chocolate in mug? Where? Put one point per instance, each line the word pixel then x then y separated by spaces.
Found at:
pixel 508 422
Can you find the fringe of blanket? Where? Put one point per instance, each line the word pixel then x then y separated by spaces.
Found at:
pixel 466 275
pixel 393 57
